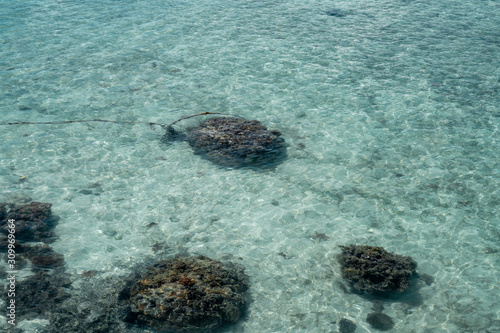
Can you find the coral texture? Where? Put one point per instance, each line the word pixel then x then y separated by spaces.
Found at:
pixel 372 269
pixel 189 294
pixel 237 142
pixel 33 221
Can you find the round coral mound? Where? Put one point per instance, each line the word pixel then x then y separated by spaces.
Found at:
pixel 373 270
pixel 189 294
pixel 236 142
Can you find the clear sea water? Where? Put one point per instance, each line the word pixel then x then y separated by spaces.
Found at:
pixel 390 109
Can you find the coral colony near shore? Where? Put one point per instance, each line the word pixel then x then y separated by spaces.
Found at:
pixel 45 289
pixel 184 294
pixel 373 270
pixel 181 294
pixel 33 221
pixel 236 142
pixel 195 293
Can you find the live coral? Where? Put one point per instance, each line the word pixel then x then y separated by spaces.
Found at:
pixel 373 270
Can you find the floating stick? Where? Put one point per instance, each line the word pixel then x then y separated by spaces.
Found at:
pixel 81 121
pixel 193 115
pixel 168 128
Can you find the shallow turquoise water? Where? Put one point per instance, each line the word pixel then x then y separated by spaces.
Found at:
pixel 391 110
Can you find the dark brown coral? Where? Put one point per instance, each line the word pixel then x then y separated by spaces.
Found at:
pixel 237 142
pixel 189 294
pixel 32 221
pixel 373 270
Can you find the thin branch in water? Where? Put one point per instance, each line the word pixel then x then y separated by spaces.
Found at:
pixel 81 121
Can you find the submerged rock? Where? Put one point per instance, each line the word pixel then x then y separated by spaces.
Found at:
pixel 347 326
pixel 335 12
pixel 373 270
pixel 188 294
pixel 319 236
pixel 380 321
pixel 237 142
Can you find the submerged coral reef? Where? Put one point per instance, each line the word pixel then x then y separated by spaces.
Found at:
pixel 33 221
pixel 40 294
pixel 373 270
pixel 189 294
pixel 237 142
